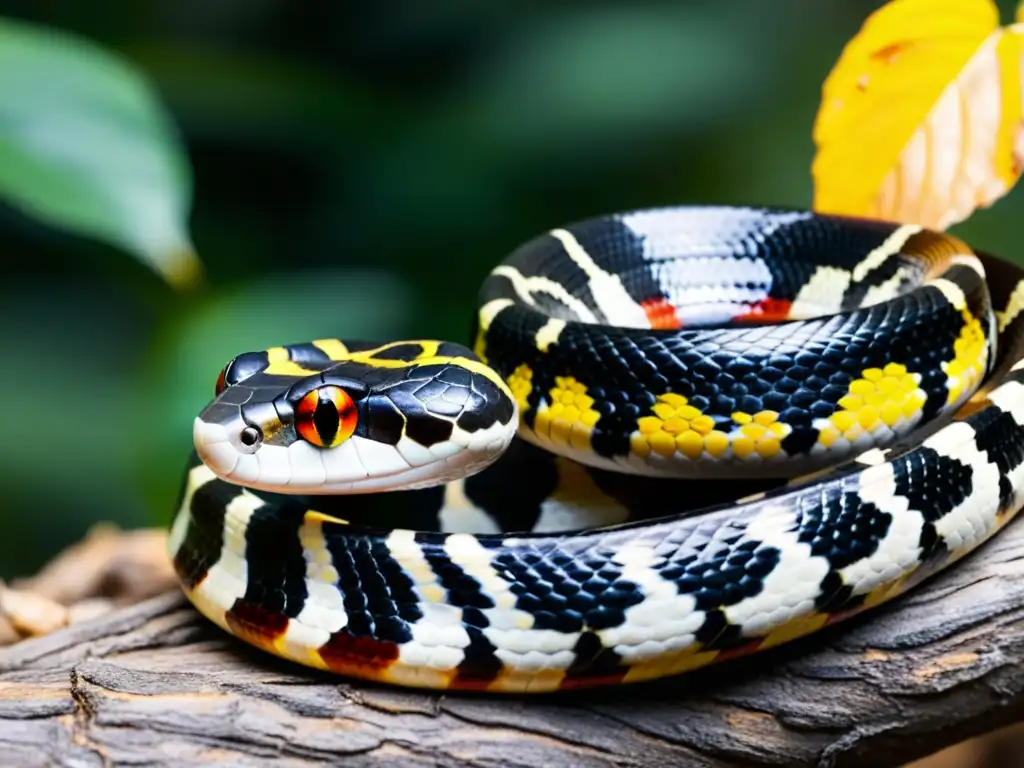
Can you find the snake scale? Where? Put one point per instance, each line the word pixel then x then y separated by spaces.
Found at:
pixel 681 435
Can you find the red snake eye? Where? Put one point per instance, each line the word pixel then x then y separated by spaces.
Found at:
pixel 240 368
pixel 326 417
pixel 221 383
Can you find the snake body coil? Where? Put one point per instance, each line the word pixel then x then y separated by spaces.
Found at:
pixel 631 376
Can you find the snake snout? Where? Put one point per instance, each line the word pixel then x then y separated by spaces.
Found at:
pixel 221 446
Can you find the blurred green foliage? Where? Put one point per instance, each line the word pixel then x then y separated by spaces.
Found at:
pixel 86 145
pixel 358 168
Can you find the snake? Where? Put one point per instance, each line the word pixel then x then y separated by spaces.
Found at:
pixel 675 436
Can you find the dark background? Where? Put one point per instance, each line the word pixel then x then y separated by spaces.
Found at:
pixel 359 167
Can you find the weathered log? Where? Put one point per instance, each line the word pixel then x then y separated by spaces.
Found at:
pixel 155 683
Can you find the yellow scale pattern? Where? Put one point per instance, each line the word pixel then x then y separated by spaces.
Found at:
pixel 678 426
pixel 883 398
pixel 887 396
pixel 520 381
pixel 568 417
pixel 761 433
pixel 970 355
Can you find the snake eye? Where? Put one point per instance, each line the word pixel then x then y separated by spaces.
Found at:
pixel 241 367
pixel 221 381
pixel 326 417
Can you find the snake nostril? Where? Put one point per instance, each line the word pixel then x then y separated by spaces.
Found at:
pixel 250 436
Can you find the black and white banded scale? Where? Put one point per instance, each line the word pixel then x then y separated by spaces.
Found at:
pixel 561 507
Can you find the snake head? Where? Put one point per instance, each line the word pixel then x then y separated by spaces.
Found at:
pixel 396 417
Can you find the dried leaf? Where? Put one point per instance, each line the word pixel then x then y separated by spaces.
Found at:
pixel 123 566
pixel 30 614
pixel 920 120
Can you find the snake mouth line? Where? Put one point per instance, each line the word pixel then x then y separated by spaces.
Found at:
pixel 356 466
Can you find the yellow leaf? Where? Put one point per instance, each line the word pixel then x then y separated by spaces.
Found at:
pixel 920 120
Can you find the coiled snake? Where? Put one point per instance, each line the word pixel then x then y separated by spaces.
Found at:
pixel 632 376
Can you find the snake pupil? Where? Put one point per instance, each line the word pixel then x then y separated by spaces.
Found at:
pixel 326 416
pixel 325 420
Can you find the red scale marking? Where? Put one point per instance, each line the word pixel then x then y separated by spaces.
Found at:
pixel 767 309
pixel 589 681
pixel 661 314
pixel 462 682
pixel 346 653
pixel 255 624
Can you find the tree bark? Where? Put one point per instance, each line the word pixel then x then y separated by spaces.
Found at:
pixel 155 683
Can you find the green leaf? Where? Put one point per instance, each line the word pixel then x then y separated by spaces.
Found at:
pixel 85 145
